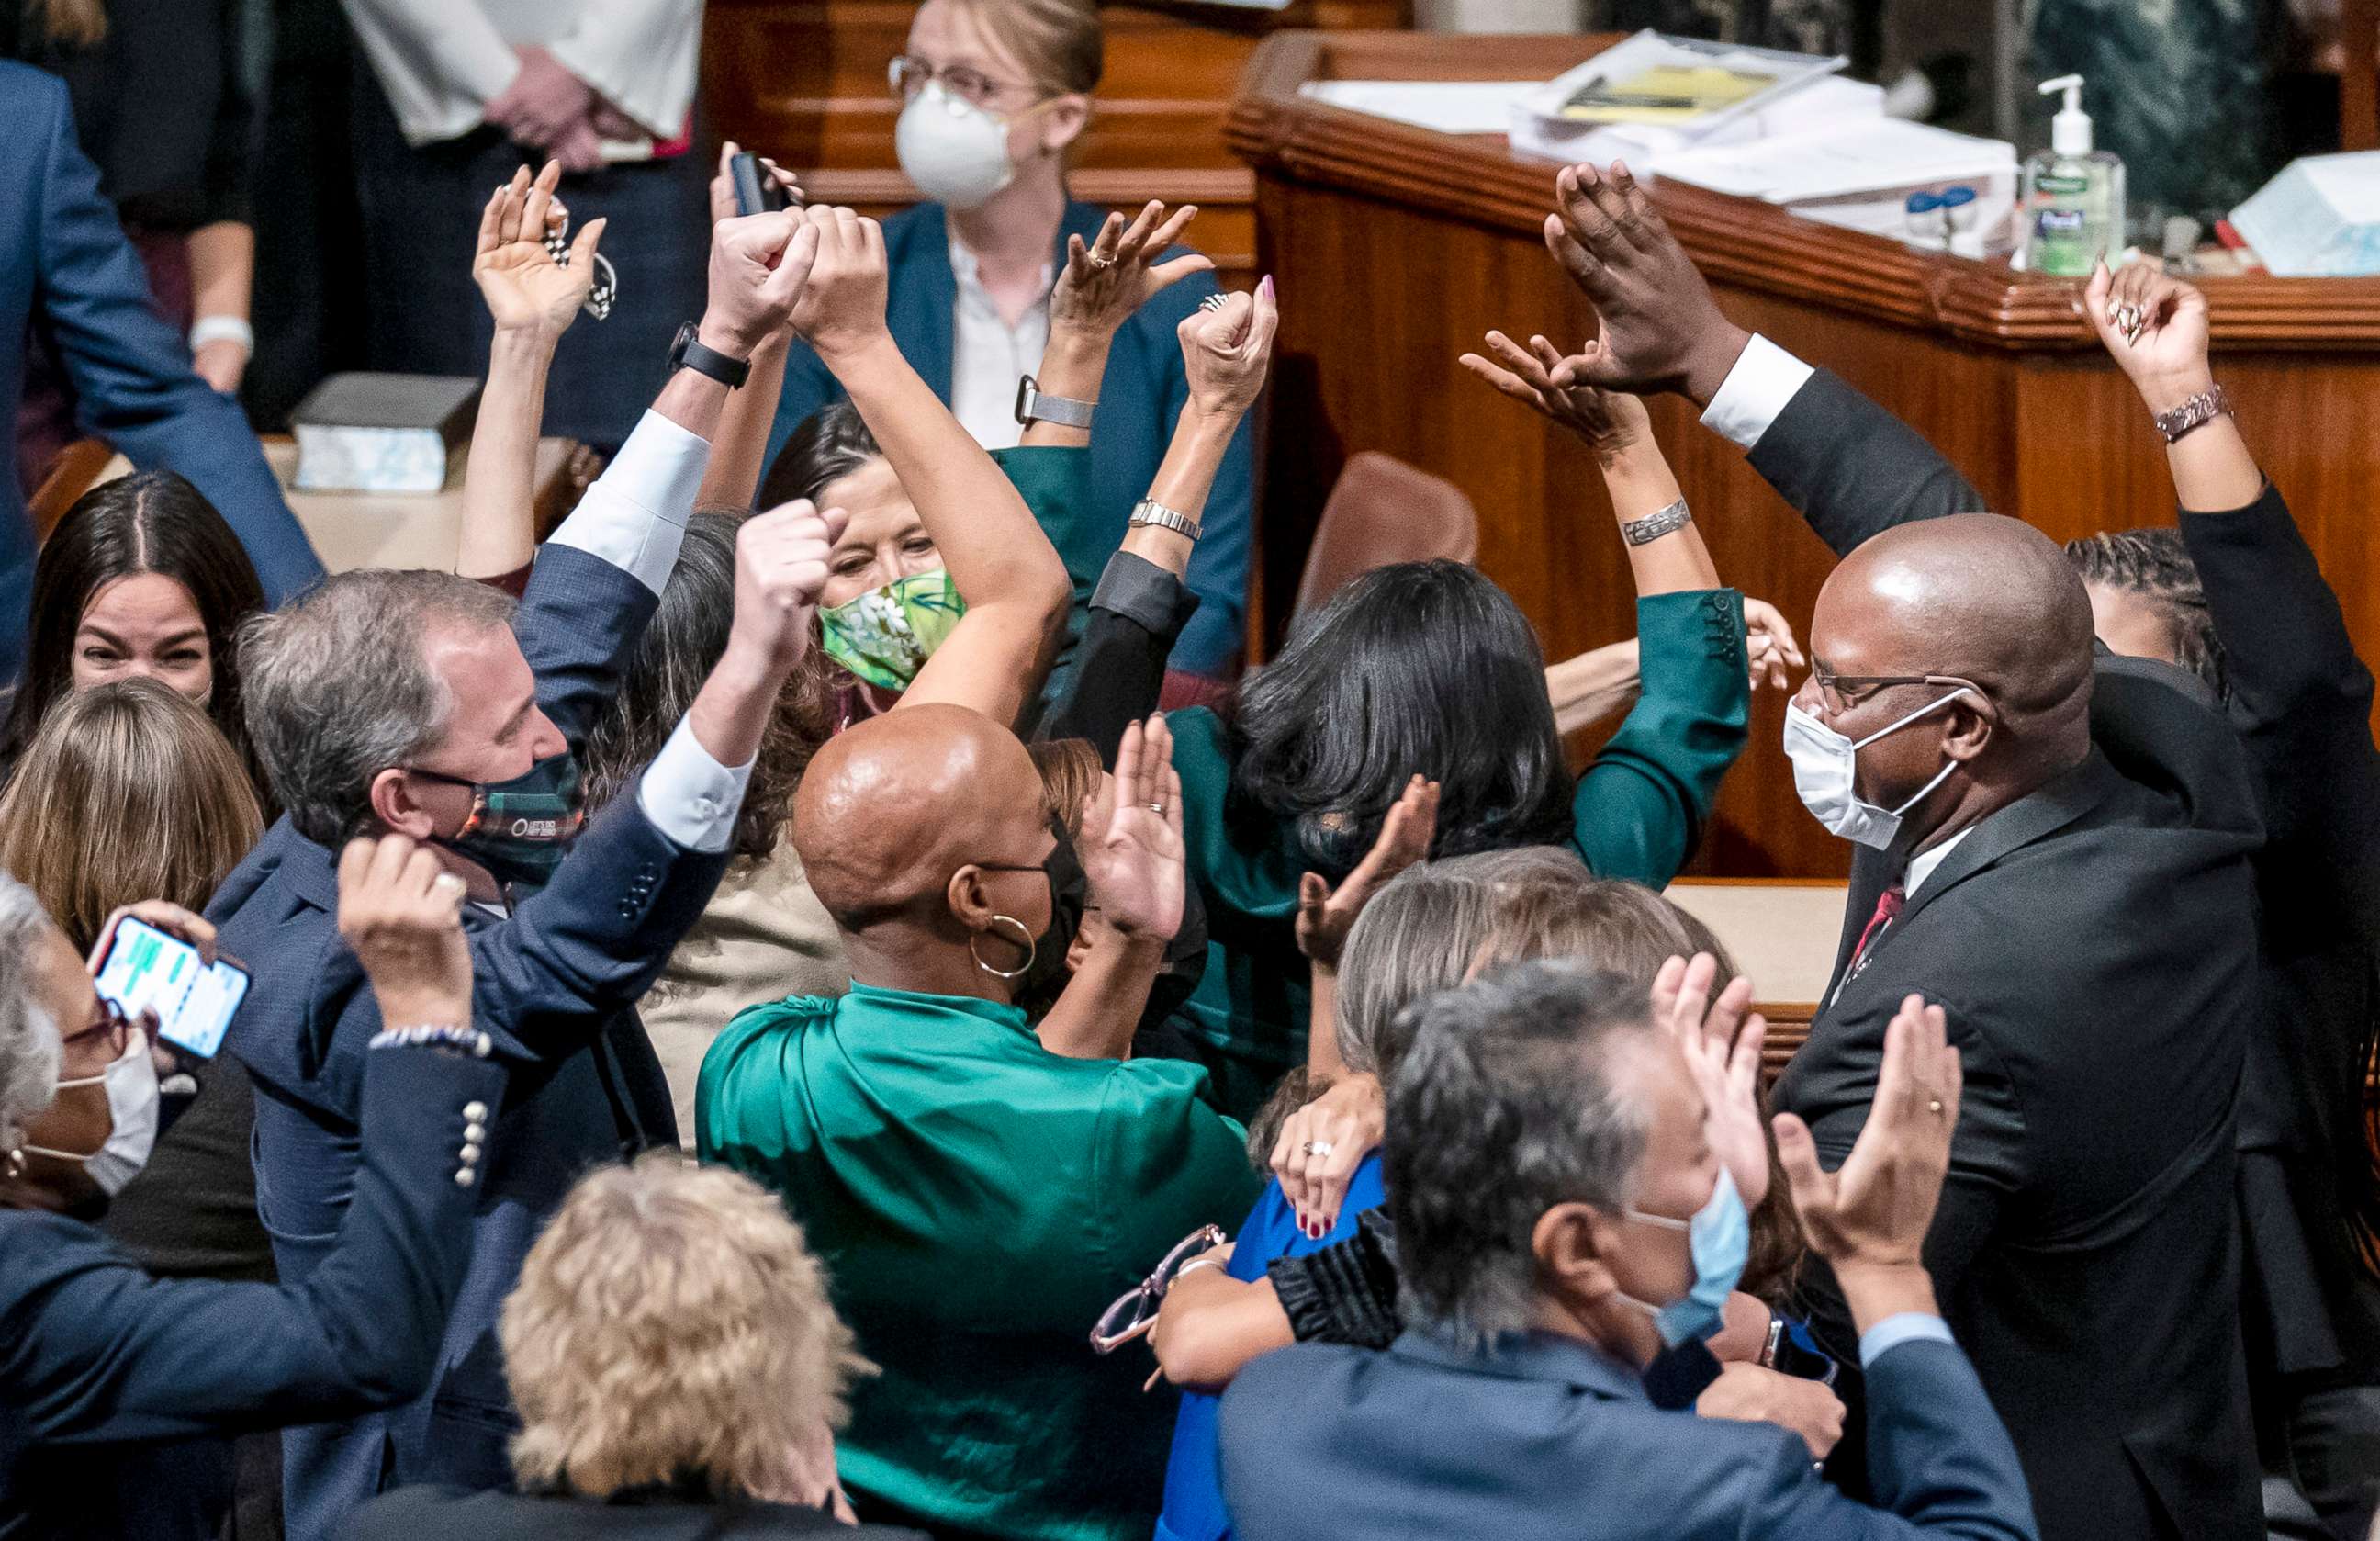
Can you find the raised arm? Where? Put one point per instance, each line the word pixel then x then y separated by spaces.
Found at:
pixel 1132 854
pixel 739 450
pixel 1003 566
pixel 1105 282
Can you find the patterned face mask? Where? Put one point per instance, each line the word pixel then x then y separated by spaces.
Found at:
pixel 886 635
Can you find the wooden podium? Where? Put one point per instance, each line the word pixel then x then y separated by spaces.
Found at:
pixel 1395 248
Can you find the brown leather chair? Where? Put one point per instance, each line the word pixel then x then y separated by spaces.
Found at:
pixel 1383 511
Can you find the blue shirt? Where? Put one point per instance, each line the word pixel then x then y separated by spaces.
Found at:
pixel 1194 1488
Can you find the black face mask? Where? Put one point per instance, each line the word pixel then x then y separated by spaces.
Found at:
pixel 519 829
pixel 1070 891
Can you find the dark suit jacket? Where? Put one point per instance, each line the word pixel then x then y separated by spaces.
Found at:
pixel 101 1364
pixel 557 983
pixel 2094 946
pixel 453 1514
pixel 1143 392
pixel 66 270
pixel 1545 1438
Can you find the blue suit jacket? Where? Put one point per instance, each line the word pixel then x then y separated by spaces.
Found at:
pixel 556 986
pixel 94 1353
pixel 1143 392
pixel 1545 1438
pixel 67 268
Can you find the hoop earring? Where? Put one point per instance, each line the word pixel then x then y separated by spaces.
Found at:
pixel 1032 950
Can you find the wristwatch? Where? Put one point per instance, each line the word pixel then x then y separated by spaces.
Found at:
pixel 1065 411
pixel 1147 512
pixel 688 354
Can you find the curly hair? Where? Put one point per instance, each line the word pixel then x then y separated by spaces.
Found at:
pixel 2155 565
pixel 671 1325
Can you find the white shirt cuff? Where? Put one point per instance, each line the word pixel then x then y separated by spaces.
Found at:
pixel 1909 1327
pixel 691 797
pixel 1765 378
pixel 634 517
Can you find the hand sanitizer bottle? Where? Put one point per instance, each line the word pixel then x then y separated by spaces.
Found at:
pixel 2074 195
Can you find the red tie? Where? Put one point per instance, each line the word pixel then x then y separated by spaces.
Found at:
pixel 1888 910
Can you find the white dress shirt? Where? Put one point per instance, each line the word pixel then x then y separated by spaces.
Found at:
pixel 1765 378
pixel 634 517
pixel 441 61
pixel 988 355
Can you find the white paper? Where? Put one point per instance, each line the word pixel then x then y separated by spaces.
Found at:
pixel 1838 160
pixel 1448 106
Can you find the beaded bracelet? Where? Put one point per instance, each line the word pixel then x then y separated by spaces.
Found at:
pixel 435 1036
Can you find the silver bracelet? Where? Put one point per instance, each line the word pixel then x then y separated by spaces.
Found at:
pixel 1149 510
pixel 2196 413
pixel 433 1035
pixel 1653 526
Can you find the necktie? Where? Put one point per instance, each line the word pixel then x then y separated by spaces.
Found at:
pixel 1888 910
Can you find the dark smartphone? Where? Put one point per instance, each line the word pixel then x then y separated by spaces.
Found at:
pixel 755 192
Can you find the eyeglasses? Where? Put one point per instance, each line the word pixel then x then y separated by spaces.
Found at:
pixel 909 74
pixel 110 1025
pixel 1134 1311
pixel 1842 692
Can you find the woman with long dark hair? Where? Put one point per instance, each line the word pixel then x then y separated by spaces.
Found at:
pixel 140 578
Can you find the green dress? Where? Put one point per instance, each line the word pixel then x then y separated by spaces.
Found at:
pixel 978 1201
pixel 1640 809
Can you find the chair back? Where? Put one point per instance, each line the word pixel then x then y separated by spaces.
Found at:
pixel 1382 511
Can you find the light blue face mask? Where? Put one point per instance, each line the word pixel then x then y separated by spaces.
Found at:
pixel 1719 1237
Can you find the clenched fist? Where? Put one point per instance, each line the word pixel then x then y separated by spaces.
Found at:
pixel 781 568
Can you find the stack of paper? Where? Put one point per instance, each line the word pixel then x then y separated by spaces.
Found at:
pixel 1859 175
pixel 1449 106
pixel 2319 218
pixel 1654 92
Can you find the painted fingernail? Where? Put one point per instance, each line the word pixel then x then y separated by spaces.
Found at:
pixel 1266 284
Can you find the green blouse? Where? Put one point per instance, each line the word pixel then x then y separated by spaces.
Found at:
pixel 1639 809
pixel 978 1201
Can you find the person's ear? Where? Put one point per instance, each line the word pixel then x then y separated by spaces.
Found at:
pixel 1062 121
pixel 1569 1241
pixel 970 905
pixel 1969 729
pixel 393 804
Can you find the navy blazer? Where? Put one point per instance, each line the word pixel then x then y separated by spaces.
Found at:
pixel 67 273
pixel 1545 1436
pixel 556 987
pixel 1143 392
pixel 95 1354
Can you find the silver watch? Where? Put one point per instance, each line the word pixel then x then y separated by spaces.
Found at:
pixel 1147 512
pixel 1065 411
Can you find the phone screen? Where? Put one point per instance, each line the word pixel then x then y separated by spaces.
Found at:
pixel 147 970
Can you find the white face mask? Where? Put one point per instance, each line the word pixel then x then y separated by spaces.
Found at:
pixel 131 1083
pixel 954 150
pixel 1826 768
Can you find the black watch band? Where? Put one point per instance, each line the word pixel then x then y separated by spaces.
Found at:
pixel 688 354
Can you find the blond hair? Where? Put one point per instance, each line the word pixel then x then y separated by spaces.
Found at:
pixel 128 792
pixel 671 1323
pixel 1058 41
pixel 68 23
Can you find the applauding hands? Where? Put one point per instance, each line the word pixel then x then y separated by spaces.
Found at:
pixel 1132 849
pixel 1119 272
pixel 1658 328
pixel 1721 1039
pixel 525 289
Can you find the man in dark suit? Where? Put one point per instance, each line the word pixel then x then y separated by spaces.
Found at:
pixel 2055 843
pixel 419 702
pixel 69 271
pixel 1546 1148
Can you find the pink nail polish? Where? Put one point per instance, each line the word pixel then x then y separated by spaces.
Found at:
pixel 1266 284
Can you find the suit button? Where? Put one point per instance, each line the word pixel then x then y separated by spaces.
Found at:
pixel 465 1177
pixel 476 1112
pixel 475 1133
pixel 468 1155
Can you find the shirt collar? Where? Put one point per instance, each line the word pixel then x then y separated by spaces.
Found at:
pixel 918 1003
pixel 1922 864
pixel 1548 1357
pixel 968 271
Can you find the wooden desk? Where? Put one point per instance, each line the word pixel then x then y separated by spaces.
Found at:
pixel 804 80
pixel 1395 248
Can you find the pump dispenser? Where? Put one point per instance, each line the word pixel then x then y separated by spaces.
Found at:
pixel 2074 194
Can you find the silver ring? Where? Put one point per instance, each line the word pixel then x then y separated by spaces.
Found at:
pixel 1211 304
pixel 1099 262
pixel 1934 1105
pixel 1316 1148
pixel 1156 807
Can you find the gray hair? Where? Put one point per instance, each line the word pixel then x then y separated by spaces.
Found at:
pixel 29 1033
pixel 1505 1106
pixel 339 688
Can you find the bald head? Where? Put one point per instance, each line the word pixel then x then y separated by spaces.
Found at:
pixel 892 806
pixel 1982 597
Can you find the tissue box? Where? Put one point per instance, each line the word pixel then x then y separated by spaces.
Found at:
pixel 2320 218
pixel 381 432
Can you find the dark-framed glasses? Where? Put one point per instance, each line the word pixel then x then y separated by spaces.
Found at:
pixel 909 74
pixel 1134 1311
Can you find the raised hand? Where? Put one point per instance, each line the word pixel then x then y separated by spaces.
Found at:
pixel 1120 271
pixel 780 569
pixel 1658 328
pixel 1769 645
pixel 525 289
pixel 1133 856
pixel 1721 1040
pixel 2155 326
pixel 842 307
pixel 722 185
pixel 1226 351
pixel 1873 1212
pixel 759 268
pixel 1326 914
pixel 401 913
pixel 1610 421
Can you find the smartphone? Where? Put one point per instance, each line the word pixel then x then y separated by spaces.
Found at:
pixel 148 970
pixel 755 193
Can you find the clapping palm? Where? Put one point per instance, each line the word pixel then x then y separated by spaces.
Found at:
pixel 1112 277
pixel 1610 421
pixel 525 287
pixel 1721 1040
pixel 1132 851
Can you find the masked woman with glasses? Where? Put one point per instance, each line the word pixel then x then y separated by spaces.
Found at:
pixel 994 96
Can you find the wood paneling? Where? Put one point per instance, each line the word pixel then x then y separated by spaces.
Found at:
pixel 804 80
pixel 1395 248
